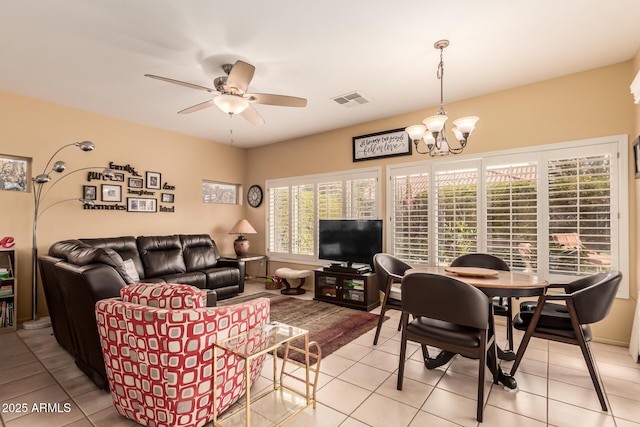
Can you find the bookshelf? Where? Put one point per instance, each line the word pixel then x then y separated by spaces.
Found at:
pixel 7 290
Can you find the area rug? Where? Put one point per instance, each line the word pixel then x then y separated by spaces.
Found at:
pixel 330 325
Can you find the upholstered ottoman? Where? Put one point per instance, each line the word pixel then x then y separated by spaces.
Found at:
pixel 287 274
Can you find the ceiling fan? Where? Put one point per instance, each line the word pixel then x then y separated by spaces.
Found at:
pixel 231 93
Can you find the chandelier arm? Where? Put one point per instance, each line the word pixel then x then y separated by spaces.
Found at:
pixel 416 142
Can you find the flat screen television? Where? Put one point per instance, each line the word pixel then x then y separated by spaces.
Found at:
pixel 352 241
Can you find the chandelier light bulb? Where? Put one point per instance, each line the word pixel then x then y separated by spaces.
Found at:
pixel 466 124
pixel 435 123
pixel 416 132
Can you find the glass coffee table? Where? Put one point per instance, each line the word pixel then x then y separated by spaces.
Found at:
pixel 287 400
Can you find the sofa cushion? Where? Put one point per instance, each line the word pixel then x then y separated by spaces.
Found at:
pixel 164 295
pixel 199 251
pixel 194 278
pixel 161 255
pixel 126 246
pixel 221 276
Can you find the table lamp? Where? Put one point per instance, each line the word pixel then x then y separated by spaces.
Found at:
pixel 241 244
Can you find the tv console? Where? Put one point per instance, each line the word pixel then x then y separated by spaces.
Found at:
pixel 359 291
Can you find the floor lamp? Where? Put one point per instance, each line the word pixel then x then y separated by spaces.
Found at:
pixel 39 193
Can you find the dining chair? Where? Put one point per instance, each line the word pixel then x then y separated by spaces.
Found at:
pixel 502 306
pixel 450 315
pixel 389 270
pixel 586 300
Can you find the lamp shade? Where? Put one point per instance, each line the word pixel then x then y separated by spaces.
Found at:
pixel 231 104
pixel 242 227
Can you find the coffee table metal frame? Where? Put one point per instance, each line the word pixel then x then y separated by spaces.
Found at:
pixel 270 338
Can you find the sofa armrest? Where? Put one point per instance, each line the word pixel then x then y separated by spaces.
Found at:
pixel 230 262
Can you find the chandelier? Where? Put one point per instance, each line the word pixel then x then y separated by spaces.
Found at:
pixel 433 131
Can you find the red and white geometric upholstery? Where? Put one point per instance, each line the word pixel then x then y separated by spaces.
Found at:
pixel 157 345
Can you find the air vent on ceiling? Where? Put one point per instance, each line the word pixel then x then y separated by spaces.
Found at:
pixel 351 99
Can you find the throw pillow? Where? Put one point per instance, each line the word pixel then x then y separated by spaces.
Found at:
pixel 130 268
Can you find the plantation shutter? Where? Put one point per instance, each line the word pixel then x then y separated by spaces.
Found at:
pixel 361 198
pixel 580 214
pixel 330 200
pixel 302 219
pixel 410 217
pixel 456 207
pixel 511 194
pixel 279 229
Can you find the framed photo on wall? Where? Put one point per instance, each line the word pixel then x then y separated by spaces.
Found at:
pixel 140 204
pixel 167 198
pixel 89 192
pixel 153 180
pixel 111 193
pixel 117 176
pixel 135 182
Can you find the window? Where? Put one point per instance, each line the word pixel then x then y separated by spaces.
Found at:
pixel 555 210
pixel 297 204
pixel 220 192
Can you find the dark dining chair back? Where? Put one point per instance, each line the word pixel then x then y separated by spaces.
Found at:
pixel 586 300
pixel 502 306
pixel 450 315
pixel 480 260
pixel 388 269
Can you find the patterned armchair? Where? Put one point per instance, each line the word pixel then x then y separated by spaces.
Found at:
pixel 157 345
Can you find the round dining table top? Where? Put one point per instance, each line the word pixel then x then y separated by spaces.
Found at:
pixel 504 283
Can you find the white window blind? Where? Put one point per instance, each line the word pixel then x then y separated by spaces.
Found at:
pixel 410 218
pixel 279 220
pixel 361 198
pixel 580 214
pixel 302 220
pixel 558 210
pixel 511 194
pixel 456 205
pixel 297 204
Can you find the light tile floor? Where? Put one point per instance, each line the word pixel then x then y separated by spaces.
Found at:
pixel 357 387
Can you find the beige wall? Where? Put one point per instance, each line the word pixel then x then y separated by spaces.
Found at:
pixel 585 105
pixel 35 129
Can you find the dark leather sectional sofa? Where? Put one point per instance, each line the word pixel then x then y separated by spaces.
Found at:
pixel 78 273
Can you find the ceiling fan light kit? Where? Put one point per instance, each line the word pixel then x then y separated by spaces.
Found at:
pixel 230 94
pixel 230 104
pixel 433 129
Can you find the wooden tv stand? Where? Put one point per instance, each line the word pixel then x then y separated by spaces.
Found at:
pixel 359 291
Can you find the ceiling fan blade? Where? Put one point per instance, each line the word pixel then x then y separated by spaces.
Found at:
pixel 280 100
pixel 240 76
pixel 197 107
pixel 181 83
pixel 252 115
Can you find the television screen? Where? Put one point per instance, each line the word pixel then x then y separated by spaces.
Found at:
pixel 350 240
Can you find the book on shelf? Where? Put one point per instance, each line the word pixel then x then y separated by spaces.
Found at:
pixel 10 313
pixel 6 290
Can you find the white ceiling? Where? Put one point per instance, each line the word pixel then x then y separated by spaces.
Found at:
pixel 92 55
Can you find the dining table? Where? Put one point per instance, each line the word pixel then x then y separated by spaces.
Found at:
pixel 494 283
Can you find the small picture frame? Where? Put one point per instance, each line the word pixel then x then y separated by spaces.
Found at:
pixel 117 176
pixel 167 198
pixel 153 180
pixel 111 193
pixel 135 182
pixel 636 156
pixel 140 204
pixel 89 192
